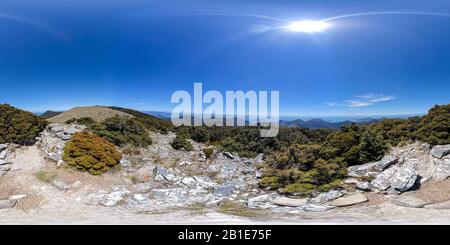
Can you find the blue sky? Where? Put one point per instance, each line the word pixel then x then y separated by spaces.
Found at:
pixel 60 54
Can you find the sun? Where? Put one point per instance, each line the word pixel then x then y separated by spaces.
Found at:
pixel 308 26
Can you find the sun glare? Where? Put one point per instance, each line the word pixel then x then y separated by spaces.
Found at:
pixel 308 26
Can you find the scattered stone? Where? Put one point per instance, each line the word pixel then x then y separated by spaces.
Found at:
pixel 205 181
pixel 113 198
pixel 125 163
pixel 189 181
pixel 162 173
pixel 140 199
pixel 440 151
pixel 386 162
pixel 4 204
pixel 364 186
pixel 144 187
pixel 289 202
pixel 60 185
pixel 3 147
pixel 223 191
pixel 326 197
pixel 351 181
pixel 349 200
pixel 409 200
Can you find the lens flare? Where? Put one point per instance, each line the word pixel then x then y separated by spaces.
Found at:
pixel 308 26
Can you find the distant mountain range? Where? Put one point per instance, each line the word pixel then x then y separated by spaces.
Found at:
pixel 314 123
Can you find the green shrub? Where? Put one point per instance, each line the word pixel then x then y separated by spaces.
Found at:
pixel 200 134
pixel 434 127
pixel 152 123
pixel 88 152
pixel 123 131
pixel 208 152
pixel 18 126
pixel 181 142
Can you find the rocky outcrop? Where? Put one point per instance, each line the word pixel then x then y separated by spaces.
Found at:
pixel 54 137
pixel 409 200
pixel 5 163
pixel 403 169
pixel 440 151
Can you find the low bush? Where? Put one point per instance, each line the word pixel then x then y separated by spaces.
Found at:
pixel 181 142
pixel 88 152
pixel 18 126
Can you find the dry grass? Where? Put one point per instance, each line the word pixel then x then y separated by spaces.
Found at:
pixel 8 188
pixel 236 209
pixel 98 113
pixel 435 191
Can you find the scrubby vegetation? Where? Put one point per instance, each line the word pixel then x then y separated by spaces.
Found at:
pixel 88 152
pixel 120 131
pixel 303 161
pixel 181 142
pixel 152 123
pixel 18 126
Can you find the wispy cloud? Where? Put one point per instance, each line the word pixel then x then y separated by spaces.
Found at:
pixel 363 100
pixel 368 100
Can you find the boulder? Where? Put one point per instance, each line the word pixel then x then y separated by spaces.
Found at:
pixel 3 147
pixel 4 204
pixel 442 170
pixel 289 202
pixel 361 170
pixel 382 181
pixel 386 162
pixel 349 200
pixel 409 200
pixel 440 151
pixel 363 186
pixel 405 178
pixel 326 197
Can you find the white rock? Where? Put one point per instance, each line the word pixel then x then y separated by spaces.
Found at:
pixel 17 197
pixel 349 200
pixel 289 202
pixel 440 151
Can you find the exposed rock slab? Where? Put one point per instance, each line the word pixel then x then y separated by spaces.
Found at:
pixel 289 202
pixel 4 204
pixel 409 200
pixel 440 151
pixel 326 197
pixel 405 178
pixel 386 162
pixel 441 205
pixel 349 200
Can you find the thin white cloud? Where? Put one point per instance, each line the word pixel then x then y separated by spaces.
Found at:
pixel 368 100
pixel 363 100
